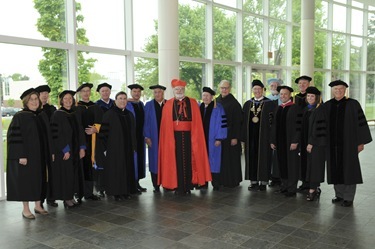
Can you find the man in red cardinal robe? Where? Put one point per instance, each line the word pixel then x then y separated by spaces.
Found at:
pixel 183 160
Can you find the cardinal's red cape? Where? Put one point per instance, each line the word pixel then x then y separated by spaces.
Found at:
pixel 167 171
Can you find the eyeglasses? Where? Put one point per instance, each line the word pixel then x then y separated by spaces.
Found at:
pixel 224 88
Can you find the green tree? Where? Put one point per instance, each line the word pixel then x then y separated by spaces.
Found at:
pixel 19 77
pixel 10 102
pixel 52 25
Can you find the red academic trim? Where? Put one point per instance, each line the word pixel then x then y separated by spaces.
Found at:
pixel 167 171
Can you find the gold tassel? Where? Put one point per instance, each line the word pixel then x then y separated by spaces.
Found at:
pixel 93 144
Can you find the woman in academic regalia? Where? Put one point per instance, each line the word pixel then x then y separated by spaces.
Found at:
pixel 313 143
pixel 27 154
pixel 68 144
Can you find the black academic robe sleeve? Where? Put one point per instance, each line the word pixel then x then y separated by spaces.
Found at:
pixel 16 138
pixel 317 135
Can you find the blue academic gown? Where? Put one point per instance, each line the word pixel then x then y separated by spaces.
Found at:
pixel 218 131
pixel 130 108
pixel 150 130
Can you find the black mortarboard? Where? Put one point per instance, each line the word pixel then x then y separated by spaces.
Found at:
pixel 89 85
pixel 257 83
pixel 209 90
pixel 27 92
pixel 157 87
pixel 105 84
pixel 313 90
pixel 65 92
pixel 338 82
pixel 285 87
pixel 135 86
pixel 303 77
pixel 43 88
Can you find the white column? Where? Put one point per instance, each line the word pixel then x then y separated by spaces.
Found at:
pixel 307 37
pixel 168 43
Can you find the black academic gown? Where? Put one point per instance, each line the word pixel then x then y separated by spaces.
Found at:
pixel 258 153
pixel 117 135
pixel 141 146
pixel 285 130
pixel 231 172
pixel 300 100
pixel 48 110
pixel 90 114
pixel 348 128
pixel 28 137
pixel 316 135
pixel 67 135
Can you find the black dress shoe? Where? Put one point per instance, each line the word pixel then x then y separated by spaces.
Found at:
pixel 93 197
pixel 253 186
pixel 126 197
pixel 216 188
pixel 262 188
pixel 290 194
pixel 274 183
pixel 337 199
pixel 347 203
pixel 140 188
pixel 157 190
pixel 118 198
pixel 52 203
pixel 67 206
pixel 302 188
pixel 281 191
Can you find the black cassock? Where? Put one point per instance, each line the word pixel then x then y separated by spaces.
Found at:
pixel 231 172
pixel 67 135
pixel 28 137
pixel 314 132
pixel 90 114
pixel 256 135
pixel 117 135
pixel 348 128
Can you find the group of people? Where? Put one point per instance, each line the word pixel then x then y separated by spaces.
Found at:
pixel 89 149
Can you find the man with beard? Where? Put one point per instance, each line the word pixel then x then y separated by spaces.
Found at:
pixel 182 162
pixel 273 84
pixel 255 133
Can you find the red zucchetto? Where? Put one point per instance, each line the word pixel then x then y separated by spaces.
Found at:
pixel 177 82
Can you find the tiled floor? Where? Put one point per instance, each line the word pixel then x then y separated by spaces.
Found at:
pixel 231 218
